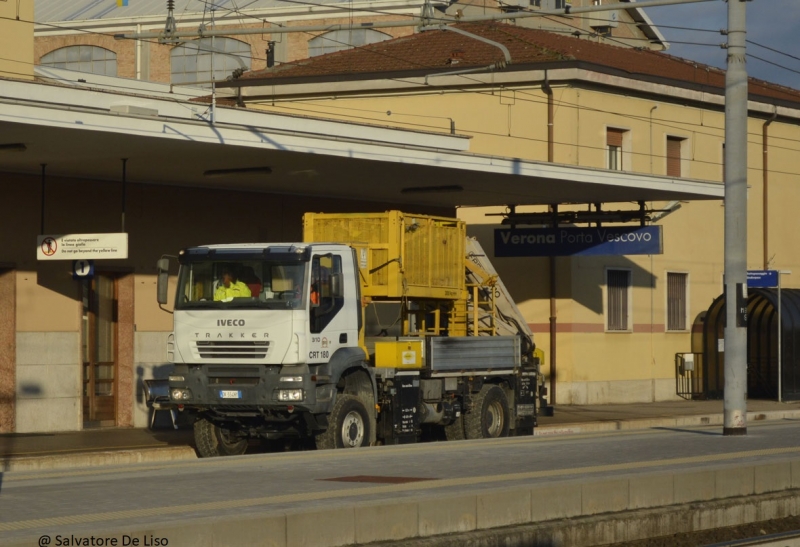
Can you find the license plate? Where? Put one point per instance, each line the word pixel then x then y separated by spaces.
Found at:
pixel 230 394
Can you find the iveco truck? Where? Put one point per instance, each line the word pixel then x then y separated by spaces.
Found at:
pixel 376 329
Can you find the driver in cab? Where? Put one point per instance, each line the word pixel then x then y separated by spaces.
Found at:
pixel 231 287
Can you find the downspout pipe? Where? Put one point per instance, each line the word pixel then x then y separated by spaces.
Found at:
pixel 551 260
pixel 765 178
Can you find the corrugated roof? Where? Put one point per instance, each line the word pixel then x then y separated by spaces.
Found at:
pixel 50 11
pixel 442 51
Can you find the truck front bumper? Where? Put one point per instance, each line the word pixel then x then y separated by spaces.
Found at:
pixel 261 388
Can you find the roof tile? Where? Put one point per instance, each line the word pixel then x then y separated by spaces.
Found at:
pixel 441 51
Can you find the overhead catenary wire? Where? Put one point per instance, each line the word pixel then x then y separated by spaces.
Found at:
pixel 417 21
pixel 237 10
pixel 533 139
pixel 774 50
pixel 465 77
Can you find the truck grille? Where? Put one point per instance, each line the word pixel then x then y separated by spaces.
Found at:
pixel 231 350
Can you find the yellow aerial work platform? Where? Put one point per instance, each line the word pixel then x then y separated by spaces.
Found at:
pixel 400 255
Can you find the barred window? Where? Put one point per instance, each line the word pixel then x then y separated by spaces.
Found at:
pixel 91 59
pixel 618 289
pixel 677 284
pixel 191 62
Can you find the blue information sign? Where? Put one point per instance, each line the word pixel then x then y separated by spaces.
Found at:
pixel 643 240
pixel 762 279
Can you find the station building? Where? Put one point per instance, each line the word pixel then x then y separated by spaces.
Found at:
pixel 86 35
pixel 96 154
pixel 619 322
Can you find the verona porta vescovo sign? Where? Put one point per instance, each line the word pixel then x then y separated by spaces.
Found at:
pixel 639 240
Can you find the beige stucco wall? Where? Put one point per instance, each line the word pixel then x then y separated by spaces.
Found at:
pixel 16 39
pixel 595 366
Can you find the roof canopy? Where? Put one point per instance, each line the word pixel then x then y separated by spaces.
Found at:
pixel 85 134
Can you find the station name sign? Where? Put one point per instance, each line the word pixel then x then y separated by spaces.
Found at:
pixel 82 246
pixel 640 240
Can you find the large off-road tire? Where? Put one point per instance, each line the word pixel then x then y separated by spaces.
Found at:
pixel 489 416
pixel 455 431
pixel 212 441
pixel 348 424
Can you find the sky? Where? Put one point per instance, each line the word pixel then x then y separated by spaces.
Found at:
pixel 771 23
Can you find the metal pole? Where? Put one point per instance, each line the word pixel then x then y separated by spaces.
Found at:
pixel 44 195
pixel 124 189
pixel 213 78
pixel 735 405
pixel 780 329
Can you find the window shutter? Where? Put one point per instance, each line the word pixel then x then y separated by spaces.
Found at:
pixel 674 156
pixel 614 137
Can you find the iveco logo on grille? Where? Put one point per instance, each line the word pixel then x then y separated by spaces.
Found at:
pixel 230 322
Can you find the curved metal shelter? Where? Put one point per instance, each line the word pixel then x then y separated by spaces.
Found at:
pixel 762 345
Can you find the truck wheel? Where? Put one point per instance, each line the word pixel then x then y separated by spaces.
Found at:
pixel 489 417
pixel 213 441
pixel 348 424
pixel 455 431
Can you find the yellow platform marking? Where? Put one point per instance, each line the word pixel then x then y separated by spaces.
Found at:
pixel 296 457
pixel 87 450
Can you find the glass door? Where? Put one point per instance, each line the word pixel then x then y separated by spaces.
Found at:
pixel 99 349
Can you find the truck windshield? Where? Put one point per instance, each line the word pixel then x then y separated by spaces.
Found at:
pixel 217 284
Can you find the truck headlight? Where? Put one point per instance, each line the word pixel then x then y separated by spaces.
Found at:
pixel 290 395
pixel 180 394
pixel 176 379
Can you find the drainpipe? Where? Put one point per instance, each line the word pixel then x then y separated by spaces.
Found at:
pixel 652 109
pixel 765 178
pixel 551 260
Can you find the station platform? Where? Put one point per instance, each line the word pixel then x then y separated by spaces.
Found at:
pixel 112 446
pixel 627 475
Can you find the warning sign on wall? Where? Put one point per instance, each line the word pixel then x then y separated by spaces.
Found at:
pixel 82 246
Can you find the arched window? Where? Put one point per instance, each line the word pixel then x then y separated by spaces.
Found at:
pixel 191 61
pixel 92 59
pixel 338 40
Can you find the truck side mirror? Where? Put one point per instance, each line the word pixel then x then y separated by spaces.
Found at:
pixel 336 285
pixel 163 280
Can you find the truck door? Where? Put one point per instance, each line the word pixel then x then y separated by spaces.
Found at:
pixel 333 311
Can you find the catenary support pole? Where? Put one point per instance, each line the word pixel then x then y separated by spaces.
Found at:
pixel 124 190
pixel 551 261
pixel 735 406
pixel 780 332
pixel 44 196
